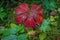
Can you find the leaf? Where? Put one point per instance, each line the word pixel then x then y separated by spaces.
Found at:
pixel 13 30
pixel 48 28
pixel 10 37
pixel 12 25
pixel 19 28
pixel 2 15
pixel 9 31
pixel 22 37
pixel 1 31
pixel 55 23
pixel 45 26
pixel 22 29
pixel 46 2
pixel 59 10
pixel 1 9
pixel 50 4
pixel 42 36
pixel 53 4
pixel 31 32
pixel 52 18
pixel 6 32
pixel 55 30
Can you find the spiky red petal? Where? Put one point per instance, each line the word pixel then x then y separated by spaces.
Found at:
pixel 23 6
pixel 39 19
pixel 30 23
pixel 19 11
pixel 18 19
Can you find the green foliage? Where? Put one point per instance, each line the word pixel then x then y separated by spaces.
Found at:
pixel 42 36
pixel 45 26
pixel 12 25
pixel 14 37
pixel 1 31
pixel 13 30
pixel 2 13
pixel 52 18
pixel 22 37
pixel 19 28
pixel 59 10
pixel 6 32
pixel 10 37
pixel 50 4
pixel 31 32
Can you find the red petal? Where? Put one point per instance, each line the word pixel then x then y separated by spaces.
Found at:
pixel 23 6
pixel 18 20
pixel 41 12
pixel 19 11
pixel 30 23
pixel 35 7
pixel 39 19
pixel 24 17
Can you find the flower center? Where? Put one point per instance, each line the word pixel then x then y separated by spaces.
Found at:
pixel 28 12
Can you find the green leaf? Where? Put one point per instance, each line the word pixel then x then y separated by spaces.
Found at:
pixel 52 18
pixel 10 37
pixel 45 26
pixel 55 23
pixel 22 37
pixel 22 29
pixel 42 36
pixel 14 29
pixel 48 28
pixel 1 31
pixel 9 31
pixel 50 4
pixel 19 28
pixel 46 2
pixel 59 10
pixel 1 9
pixel 2 15
pixel 31 32
pixel 6 32
pixel 14 26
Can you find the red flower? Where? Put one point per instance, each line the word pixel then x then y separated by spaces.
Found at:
pixel 29 17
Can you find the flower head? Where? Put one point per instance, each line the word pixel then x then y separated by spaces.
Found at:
pixel 30 17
